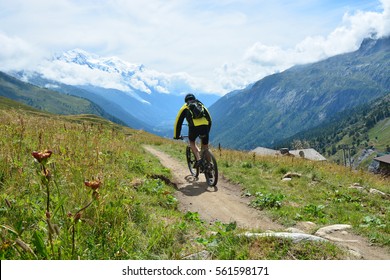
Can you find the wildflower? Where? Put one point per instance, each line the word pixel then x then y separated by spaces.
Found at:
pixel 92 184
pixel 41 156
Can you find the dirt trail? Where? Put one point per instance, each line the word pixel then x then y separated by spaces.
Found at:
pixel 221 203
pixel 224 203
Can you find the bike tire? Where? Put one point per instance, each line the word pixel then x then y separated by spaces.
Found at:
pixel 211 169
pixel 191 161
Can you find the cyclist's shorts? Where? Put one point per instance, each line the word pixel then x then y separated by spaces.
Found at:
pixel 196 131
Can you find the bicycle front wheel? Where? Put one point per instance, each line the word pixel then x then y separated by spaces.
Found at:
pixel 191 159
pixel 211 169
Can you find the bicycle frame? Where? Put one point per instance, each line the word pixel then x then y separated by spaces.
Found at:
pixel 208 164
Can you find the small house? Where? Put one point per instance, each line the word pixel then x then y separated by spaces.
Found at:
pixel 384 164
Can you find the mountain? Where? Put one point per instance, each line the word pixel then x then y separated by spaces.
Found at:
pixel 49 100
pixel 140 97
pixel 363 131
pixel 353 123
pixel 301 97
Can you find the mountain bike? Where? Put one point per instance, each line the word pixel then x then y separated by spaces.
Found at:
pixel 208 164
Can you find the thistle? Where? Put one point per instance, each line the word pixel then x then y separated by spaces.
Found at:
pixel 42 158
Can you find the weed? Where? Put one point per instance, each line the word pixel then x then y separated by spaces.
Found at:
pixel 268 200
pixel 316 211
pixel 372 221
pixel 193 217
pixel 246 164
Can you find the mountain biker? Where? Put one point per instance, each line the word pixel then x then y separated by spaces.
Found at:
pixel 196 126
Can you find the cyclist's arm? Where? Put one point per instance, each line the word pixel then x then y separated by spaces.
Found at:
pixel 179 121
pixel 208 117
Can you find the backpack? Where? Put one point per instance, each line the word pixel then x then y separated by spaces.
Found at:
pixel 197 109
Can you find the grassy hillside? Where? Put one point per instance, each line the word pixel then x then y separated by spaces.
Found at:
pixel 48 100
pixel 81 187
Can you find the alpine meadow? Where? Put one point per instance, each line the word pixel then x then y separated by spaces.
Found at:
pixel 289 106
pixel 82 187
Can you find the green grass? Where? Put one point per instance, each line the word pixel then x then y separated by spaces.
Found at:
pixel 321 195
pixel 135 216
pixel 380 135
pixel 134 213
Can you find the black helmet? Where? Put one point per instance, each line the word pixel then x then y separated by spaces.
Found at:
pixel 189 97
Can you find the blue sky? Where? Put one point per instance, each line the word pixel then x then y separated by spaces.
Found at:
pixel 224 44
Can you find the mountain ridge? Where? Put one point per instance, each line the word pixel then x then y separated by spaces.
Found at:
pixel 48 100
pixel 282 104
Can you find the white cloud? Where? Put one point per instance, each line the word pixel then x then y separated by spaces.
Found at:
pixel 210 46
pixel 114 73
pixel 15 53
pixel 74 74
pixel 262 59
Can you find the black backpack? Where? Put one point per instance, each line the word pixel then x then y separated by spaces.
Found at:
pixel 197 109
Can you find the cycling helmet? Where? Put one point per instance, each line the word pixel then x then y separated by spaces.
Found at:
pixel 189 97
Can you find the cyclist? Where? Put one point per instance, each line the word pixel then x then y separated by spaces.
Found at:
pixel 196 126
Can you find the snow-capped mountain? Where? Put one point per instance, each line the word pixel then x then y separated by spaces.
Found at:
pixel 124 75
pixel 148 95
pixel 82 69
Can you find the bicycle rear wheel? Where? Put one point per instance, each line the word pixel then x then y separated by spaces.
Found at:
pixel 191 161
pixel 211 168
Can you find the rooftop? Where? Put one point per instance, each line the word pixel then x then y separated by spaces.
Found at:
pixel 310 154
pixel 385 159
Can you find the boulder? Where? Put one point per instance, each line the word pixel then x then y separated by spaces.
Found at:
pixel 296 237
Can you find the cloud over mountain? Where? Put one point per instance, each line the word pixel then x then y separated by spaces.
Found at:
pixel 211 47
pixel 262 59
pixel 78 67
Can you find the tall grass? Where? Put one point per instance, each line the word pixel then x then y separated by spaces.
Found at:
pixel 94 197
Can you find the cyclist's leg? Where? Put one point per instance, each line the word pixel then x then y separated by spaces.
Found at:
pixel 204 136
pixel 195 149
pixel 192 135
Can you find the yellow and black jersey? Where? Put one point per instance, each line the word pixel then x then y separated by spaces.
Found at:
pixel 184 112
